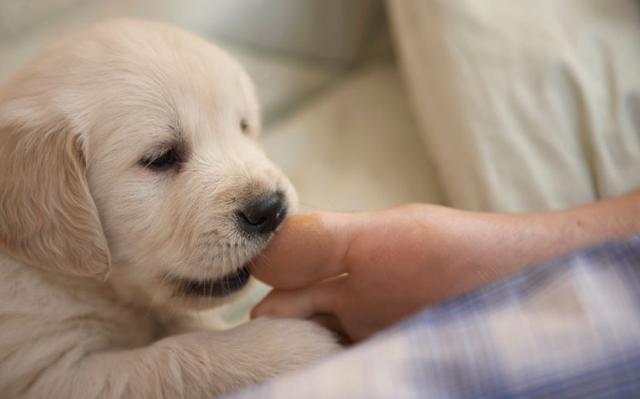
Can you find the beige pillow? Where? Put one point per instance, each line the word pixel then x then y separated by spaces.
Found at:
pixel 525 105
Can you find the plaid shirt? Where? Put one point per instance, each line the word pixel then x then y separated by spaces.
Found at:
pixel 567 328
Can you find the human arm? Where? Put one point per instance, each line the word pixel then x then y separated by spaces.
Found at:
pixel 372 269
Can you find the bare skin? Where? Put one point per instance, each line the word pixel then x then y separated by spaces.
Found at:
pixel 369 270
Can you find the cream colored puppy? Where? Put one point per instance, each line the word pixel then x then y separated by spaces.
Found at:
pixel 132 189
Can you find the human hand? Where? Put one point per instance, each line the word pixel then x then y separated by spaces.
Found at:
pixel 370 270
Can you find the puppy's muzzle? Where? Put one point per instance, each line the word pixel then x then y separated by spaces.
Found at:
pixel 263 214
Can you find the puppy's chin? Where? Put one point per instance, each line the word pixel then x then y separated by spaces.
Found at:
pixel 190 302
pixel 209 292
pixel 172 292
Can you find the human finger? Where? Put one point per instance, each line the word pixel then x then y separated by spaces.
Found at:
pixel 302 303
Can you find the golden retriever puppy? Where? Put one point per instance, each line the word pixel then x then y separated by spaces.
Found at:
pixel 132 190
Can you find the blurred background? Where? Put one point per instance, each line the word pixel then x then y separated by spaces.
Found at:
pixel 335 111
pixel 493 105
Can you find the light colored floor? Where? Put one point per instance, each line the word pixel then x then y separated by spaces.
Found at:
pixel 346 138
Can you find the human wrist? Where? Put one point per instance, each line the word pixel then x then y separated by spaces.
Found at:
pixel 608 219
pixel 544 235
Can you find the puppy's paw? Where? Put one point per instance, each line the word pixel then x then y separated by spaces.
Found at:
pixel 289 344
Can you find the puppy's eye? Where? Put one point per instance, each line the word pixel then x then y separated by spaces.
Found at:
pixel 164 161
pixel 244 125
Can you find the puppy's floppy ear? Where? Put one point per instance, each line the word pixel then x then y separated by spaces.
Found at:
pixel 47 215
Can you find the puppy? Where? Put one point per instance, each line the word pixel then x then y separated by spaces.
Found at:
pixel 132 190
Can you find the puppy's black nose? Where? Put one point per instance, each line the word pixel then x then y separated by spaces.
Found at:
pixel 263 214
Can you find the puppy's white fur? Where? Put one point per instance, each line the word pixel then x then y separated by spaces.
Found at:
pixel 89 236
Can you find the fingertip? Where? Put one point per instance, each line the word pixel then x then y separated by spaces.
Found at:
pixel 255 312
pixel 259 310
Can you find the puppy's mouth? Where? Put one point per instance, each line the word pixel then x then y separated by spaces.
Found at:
pixel 216 287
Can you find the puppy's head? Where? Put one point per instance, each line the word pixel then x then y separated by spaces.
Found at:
pixel 131 148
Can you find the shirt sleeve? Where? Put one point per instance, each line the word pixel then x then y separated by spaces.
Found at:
pixel 567 328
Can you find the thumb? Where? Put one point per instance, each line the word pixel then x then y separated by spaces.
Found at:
pixel 307 249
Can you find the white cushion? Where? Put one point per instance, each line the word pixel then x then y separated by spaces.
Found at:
pixel 525 105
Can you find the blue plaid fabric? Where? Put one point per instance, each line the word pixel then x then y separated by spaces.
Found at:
pixel 567 328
